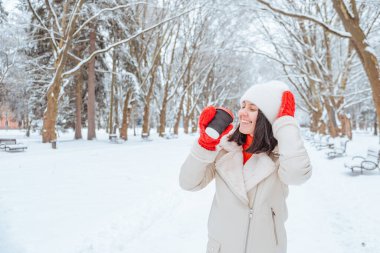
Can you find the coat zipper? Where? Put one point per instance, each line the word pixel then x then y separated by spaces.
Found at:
pixel 274 225
pixel 250 215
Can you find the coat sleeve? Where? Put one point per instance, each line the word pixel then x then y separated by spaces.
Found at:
pixel 294 161
pixel 198 169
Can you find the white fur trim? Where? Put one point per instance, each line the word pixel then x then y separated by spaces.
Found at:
pixel 229 145
pixel 267 97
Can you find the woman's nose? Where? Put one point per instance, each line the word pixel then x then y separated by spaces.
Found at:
pixel 243 111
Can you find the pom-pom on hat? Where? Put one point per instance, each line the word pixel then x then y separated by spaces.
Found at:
pixel 267 97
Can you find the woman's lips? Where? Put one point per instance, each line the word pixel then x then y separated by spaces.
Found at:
pixel 246 122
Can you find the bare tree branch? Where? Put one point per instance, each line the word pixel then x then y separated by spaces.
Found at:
pixel 306 17
pixel 101 11
pixel 76 68
pixel 43 25
pixel 50 8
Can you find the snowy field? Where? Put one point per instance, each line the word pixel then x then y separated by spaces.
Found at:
pixel 99 197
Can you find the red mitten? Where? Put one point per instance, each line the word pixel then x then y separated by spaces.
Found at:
pixel 204 119
pixel 288 105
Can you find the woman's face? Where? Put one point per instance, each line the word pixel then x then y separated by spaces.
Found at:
pixel 247 117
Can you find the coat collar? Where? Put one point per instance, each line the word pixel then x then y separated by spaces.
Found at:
pixel 238 177
pixel 256 169
pixel 229 146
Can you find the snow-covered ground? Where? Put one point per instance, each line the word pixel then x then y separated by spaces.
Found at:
pixel 99 197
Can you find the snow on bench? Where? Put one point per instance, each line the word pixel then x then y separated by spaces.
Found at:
pixel 7 141
pixel 338 149
pixel 370 162
pixel 114 139
pixel 15 147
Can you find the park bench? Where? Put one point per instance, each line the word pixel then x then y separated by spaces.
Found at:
pixel 114 139
pixel 339 149
pixel 324 142
pixel 308 136
pixel 370 162
pixel 145 137
pixel 7 141
pixel 315 139
pixel 10 145
pixel 15 147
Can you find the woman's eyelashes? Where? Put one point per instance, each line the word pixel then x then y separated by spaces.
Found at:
pixel 250 109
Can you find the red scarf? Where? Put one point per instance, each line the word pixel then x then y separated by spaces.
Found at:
pixel 246 145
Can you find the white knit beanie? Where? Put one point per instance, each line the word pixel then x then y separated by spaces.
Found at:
pixel 267 97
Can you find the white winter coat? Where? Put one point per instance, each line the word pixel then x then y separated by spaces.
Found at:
pixel 249 210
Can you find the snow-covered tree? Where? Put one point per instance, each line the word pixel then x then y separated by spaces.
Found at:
pixel 358 20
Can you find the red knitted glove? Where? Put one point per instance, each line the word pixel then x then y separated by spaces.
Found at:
pixel 204 119
pixel 288 105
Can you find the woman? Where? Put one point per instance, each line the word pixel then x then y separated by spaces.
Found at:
pixel 252 168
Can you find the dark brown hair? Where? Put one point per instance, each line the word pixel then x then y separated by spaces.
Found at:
pixel 263 140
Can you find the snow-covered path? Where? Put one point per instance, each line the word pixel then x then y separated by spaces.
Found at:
pixel 92 197
pixel 336 211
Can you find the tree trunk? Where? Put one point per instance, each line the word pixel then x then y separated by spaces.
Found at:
pixel 322 129
pixel 194 126
pixel 110 123
pixel 126 116
pixel 315 120
pixel 161 130
pixel 186 119
pixel 375 126
pixel 91 89
pixel 178 117
pixel 331 122
pixel 78 106
pixel 186 124
pixel 50 115
pixel 27 124
pixel 133 115
pixel 346 125
pixel 148 98
pixel 365 52
pixel 113 80
pixel 145 126
pixel 116 116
